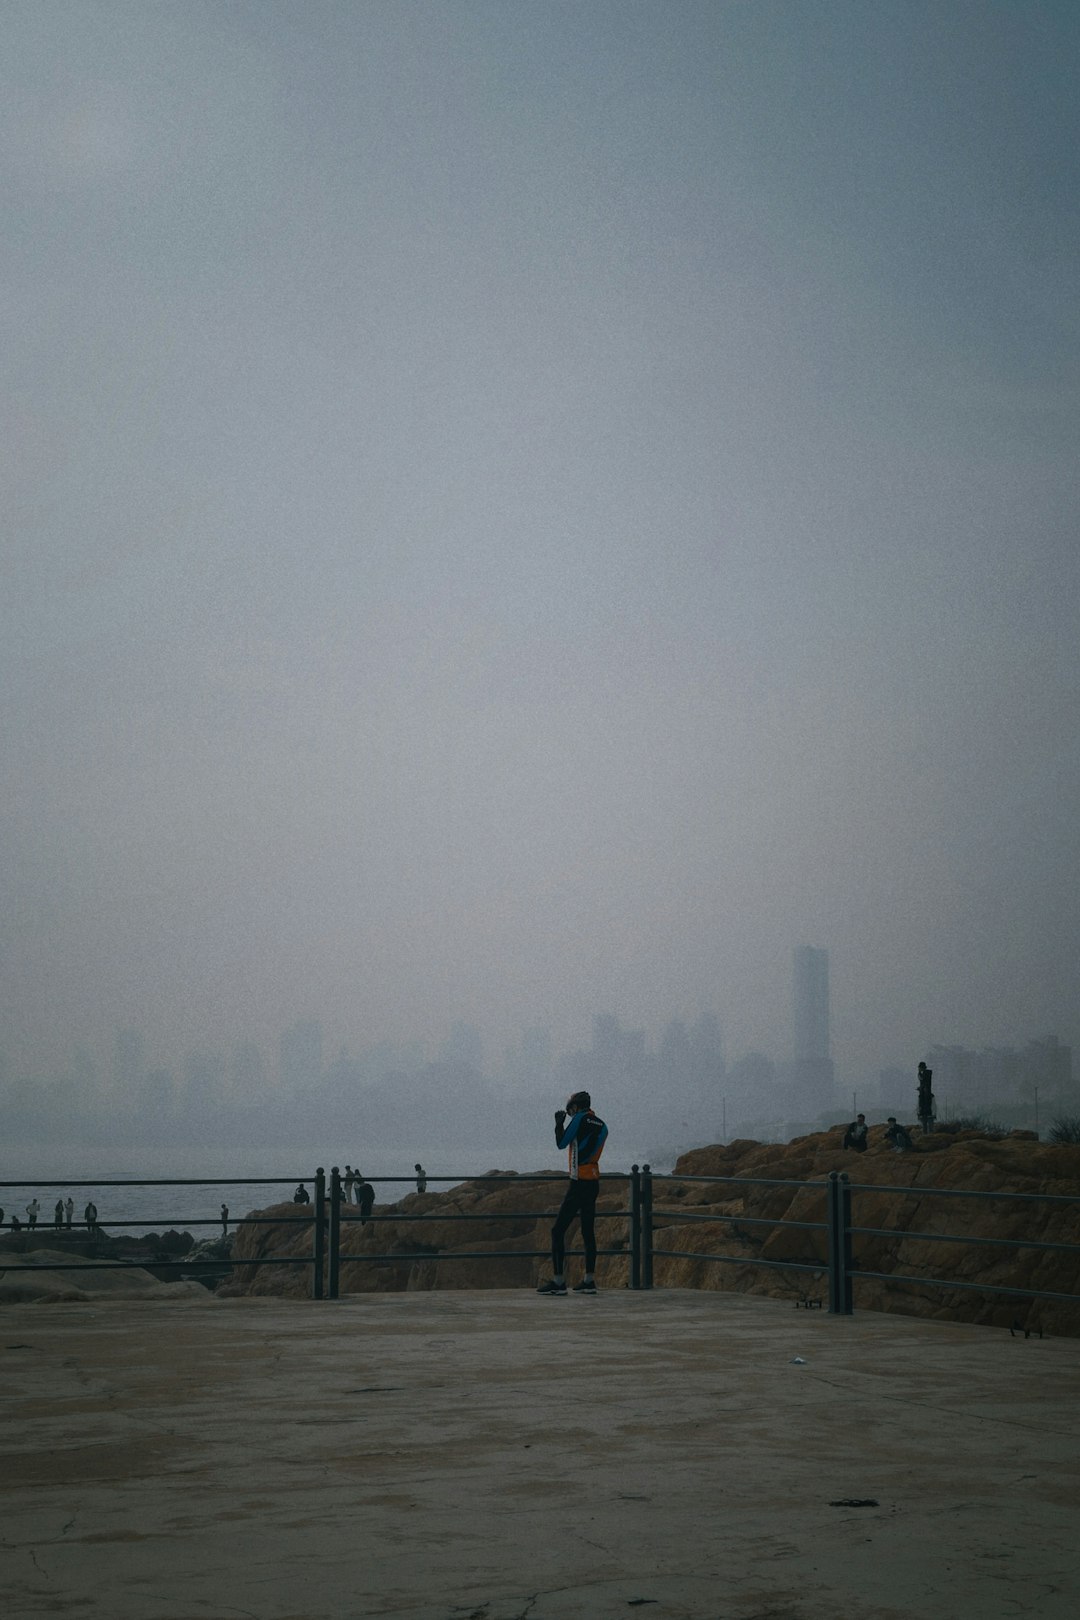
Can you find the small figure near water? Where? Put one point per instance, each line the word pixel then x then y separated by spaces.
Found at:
pixel 69 1210
pixel 899 1136
pixel 33 1209
pixel 301 1195
pixel 421 1178
pixel 224 1220
pixel 58 1214
pixel 583 1135
pixel 348 1182
pixel 855 1135
pixel 90 1217
pixel 927 1105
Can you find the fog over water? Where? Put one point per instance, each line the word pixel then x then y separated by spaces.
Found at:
pixel 521 512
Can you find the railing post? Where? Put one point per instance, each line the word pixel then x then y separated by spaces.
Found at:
pixel 635 1226
pixel 318 1242
pixel 838 1242
pixel 646 1226
pixel 832 1248
pixel 335 1231
pixel 846 1265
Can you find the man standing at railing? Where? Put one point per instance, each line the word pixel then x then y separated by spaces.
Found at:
pixel 583 1134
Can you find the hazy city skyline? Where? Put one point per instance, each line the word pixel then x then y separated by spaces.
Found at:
pixel 519 511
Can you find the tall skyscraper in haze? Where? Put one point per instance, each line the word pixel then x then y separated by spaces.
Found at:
pixel 813 1067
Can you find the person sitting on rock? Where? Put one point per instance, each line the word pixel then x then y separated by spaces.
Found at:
pixel 855 1135
pixel 899 1136
pixel 301 1195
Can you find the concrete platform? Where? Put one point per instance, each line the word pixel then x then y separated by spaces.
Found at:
pixel 497 1456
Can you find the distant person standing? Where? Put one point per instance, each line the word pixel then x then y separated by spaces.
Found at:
pixel 365 1197
pixel 421 1178
pixel 348 1182
pixel 33 1209
pixel 69 1211
pixel 583 1134
pixel 855 1135
pixel 58 1214
pixel 90 1217
pixel 224 1220
pixel 1 1217
pixel 927 1107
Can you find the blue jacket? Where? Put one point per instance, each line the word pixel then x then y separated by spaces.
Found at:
pixel 584 1135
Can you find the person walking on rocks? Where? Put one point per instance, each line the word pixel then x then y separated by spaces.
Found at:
pixel 90 1217
pixel 33 1209
pixel 224 1220
pixel 348 1182
pixel 421 1178
pixel 365 1197
pixel 69 1210
pixel 583 1134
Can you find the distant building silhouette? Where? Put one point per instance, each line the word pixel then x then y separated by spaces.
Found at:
pixel 966 1081
pixel 813 1075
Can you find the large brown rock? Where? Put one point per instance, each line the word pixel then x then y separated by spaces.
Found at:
pixel 966 1161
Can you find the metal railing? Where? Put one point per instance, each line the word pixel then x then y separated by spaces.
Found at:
pixel 324 1217
pixel 839 1261
pixel 836 1242
pixel 336 1259
pixel 93 1231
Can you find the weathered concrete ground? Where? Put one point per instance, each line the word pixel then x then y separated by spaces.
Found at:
pixel 452 1456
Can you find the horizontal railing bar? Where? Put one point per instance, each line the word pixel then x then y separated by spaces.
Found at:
pixel 963 1192
pixel 737 1260
pixel 755 1181
pixel 278 1181
pixel 947 1237
pixel 197 1181
pixel 741 1220
pixel 976 1288
pixel 473 1254
pixel 490 1215
pixel 44 1227
pixel 150 1265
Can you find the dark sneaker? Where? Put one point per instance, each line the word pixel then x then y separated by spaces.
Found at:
pixel 585 1288
pixel 551 1288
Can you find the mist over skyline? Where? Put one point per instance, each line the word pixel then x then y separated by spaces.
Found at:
pixel 516 513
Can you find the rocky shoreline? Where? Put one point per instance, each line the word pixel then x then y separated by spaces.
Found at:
pixel 966 1161
pixel 156 1253
pixel 400 1252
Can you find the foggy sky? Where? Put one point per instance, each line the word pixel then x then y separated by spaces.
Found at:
pixel 521 510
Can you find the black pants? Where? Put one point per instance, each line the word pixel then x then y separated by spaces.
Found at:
pixel 579 1203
